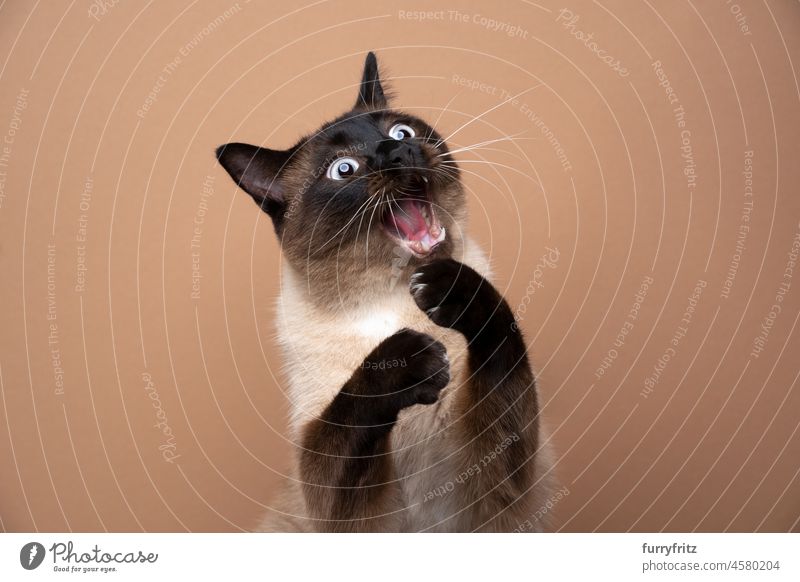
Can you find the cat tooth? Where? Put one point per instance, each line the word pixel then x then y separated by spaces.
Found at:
pixel 435 230
pixel 424 179
pixel 417 247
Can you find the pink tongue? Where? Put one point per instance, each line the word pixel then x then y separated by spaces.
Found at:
pixel 409 220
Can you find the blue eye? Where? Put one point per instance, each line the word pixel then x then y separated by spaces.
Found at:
pixel 342 168
pixel 401 131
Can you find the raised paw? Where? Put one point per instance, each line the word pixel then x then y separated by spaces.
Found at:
pixel 454 296
pixel 408 367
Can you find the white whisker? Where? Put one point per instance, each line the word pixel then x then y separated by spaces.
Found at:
pixel 369 226
pixel 488 163
pixel 435 123
pixel 474 119
pixel 483 143
pixel 349 222
pixel 361 221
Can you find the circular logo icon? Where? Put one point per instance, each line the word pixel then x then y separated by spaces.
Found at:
pixel 31 555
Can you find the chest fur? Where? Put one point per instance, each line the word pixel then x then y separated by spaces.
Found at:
pixel 322 349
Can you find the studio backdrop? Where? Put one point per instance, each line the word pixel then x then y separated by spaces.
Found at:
pixel 634 182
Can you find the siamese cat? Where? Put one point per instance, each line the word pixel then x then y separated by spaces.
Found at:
pixel 413 403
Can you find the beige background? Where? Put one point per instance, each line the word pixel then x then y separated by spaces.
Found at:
pixel 715 446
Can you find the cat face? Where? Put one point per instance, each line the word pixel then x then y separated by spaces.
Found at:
pixel 369 187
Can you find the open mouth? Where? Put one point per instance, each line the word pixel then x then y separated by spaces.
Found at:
pixel 412 222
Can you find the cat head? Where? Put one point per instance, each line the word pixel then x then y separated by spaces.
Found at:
pixel 369 196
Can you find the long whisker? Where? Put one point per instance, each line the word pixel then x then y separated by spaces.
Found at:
pixel 481 144
pixel 394 218
pixel 369 226
pixel 438 119
pixel 488 163
pixel 474 119
pixel 486 150
pixel 349 222
pixel 400 208
pixel 361 220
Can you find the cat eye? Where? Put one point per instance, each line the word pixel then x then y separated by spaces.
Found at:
pixel 342 168
pixel 401 131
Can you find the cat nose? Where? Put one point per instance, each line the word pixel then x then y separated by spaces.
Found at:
pixel 394 154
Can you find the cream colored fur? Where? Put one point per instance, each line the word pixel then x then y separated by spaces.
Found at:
pixel 321 351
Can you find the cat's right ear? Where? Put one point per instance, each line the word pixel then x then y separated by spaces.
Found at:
pixel 370 94
pixel 258 171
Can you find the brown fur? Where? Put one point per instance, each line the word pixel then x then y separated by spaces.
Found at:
pixel 429 447
pixel 473 460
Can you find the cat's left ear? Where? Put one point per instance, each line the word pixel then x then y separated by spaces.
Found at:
pixel 370 94
pixel 259 172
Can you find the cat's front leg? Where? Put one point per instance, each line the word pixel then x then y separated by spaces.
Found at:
pixel 348 476
pixel 498 410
